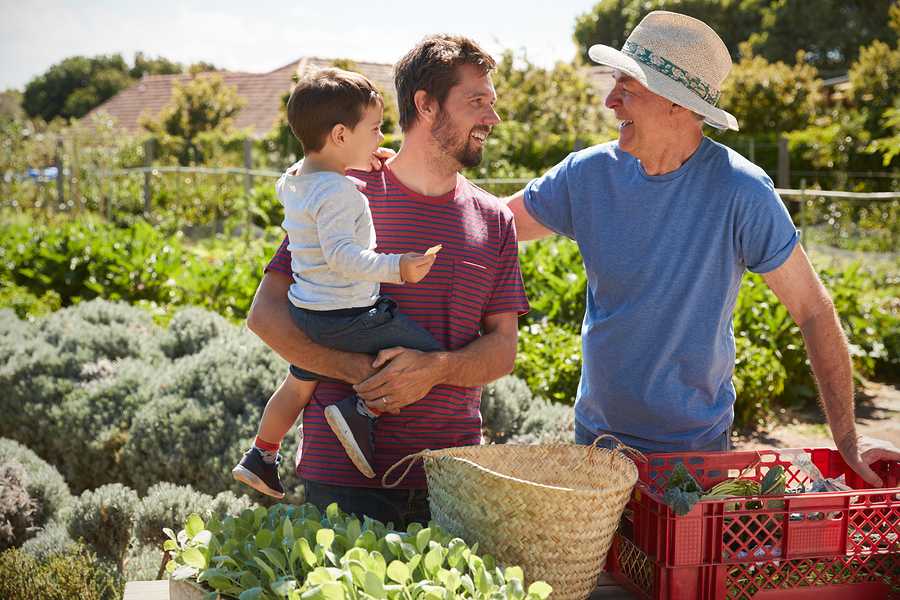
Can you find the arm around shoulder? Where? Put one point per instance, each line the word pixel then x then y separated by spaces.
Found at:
pixel 527 227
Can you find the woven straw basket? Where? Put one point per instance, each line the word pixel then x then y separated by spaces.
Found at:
pixel 550 509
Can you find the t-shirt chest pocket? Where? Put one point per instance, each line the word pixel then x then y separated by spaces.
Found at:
pixel 469 293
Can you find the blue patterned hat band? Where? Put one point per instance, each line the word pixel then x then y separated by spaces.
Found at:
pixel 666 67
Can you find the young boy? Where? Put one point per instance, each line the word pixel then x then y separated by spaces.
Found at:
pixel 336 115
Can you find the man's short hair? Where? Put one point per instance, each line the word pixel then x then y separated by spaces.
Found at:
pixel 432 66
pixel 325 98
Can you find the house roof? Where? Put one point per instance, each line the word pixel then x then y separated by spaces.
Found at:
pixel 262 92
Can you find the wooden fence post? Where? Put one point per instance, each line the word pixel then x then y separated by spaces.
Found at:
pixel 784 164
pixel 248 164
pixel 148 162
pixel 60 181
pixel 802 207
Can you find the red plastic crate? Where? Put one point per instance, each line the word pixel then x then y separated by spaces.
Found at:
pixel 823 545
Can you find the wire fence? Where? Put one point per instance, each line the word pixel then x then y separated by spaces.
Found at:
pixel 180 197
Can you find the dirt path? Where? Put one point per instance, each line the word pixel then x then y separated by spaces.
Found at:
pixel 877 415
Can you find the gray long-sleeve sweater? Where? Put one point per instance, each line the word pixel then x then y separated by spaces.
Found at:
pixel 331 241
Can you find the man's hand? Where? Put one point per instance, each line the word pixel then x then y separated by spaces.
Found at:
pixel 407 377
pixel 414 266
pixel 862 452
pixel 378 157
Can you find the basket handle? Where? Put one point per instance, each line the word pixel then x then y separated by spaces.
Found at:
pixel 620 447
pixel 411 458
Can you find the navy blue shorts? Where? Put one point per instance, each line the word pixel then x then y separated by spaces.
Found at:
pixel 367 330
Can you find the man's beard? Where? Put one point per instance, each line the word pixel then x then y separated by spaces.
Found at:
pixel 449 140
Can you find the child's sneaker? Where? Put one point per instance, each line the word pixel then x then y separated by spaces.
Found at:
pixel 260 471
pixel 354 430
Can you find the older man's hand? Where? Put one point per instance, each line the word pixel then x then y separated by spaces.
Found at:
pixel 864 451
pixel 406 377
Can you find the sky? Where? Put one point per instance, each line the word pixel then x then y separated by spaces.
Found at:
pixel 262 35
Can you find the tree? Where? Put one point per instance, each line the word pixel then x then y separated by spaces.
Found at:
pixel 770 98
pixel 11 105
pixel 875 83
pixel 610 21
pixel 202 108
pixel 546 113
pixel 153 66
pixel 75 85
pixel 831 32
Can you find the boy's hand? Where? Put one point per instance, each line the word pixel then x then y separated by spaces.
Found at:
pixel 414 266
pixel 380 154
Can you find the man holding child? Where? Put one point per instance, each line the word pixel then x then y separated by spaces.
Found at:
pixel 469 301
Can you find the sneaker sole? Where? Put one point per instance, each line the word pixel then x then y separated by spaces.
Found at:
pixel 248 477
pixel 345 437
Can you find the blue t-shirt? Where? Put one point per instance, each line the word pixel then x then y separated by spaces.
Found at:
pixel 664 257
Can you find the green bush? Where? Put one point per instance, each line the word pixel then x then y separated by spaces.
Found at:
pixel 74 573
pixel 104 519
pixel 237 371
pixel 89 258
pixel 179 439
pixel 52 539
pixel 510 413
pixel 549 360
pixel 17 508
pixel 143 563
pixel 168 505
pixel 44 483
pixel 505 404
pixel 546 423
pixel 190 330
pixel 555 279
pixel 25 304
pixel 759 379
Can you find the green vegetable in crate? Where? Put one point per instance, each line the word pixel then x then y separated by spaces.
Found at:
pixel 297 553
pixel 682 491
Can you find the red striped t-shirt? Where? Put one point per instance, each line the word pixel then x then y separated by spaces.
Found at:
pixel 476 274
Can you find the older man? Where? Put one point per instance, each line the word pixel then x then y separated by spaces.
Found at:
pixel 469 301
pixel 667 222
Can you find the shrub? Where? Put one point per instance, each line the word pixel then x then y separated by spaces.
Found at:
pixel 17 508
pixel 557 285
pixel 99 329
pixel 75 573
pixel 26 305
pixel 104 518
pixel 42 371
pixel 549 360
pixel 179 439
pixel 143 563
pixel 99 412
pixel 759 379
pixel 44 483
pixel 504 405
pixel 228 503
pixel 167 505
pixel 237 371
pixel 191 329
pixel 546 423
pixel 52 539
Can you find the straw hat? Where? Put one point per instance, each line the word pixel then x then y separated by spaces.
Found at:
pixel 677 57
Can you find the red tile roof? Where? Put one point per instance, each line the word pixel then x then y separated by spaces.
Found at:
pixel 262 92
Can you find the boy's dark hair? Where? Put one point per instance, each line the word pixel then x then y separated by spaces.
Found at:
pixel 324 98
pixel 432 66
